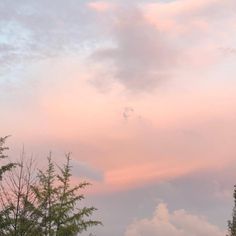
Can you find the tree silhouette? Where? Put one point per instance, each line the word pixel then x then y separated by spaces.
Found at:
pixel 8 166
pixel 232 223
pixel 43 202
pixel 57 202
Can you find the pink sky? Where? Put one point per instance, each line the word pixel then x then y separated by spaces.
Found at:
pixel 140 93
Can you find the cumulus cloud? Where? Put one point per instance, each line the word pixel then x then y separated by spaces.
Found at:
pixel 177 223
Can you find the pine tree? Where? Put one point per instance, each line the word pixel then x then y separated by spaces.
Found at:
pixel 70 219
pixel 232 223
pixel 57 203
pixel 45 193
pixel 8 166
pixel 46 204
pixel 4 219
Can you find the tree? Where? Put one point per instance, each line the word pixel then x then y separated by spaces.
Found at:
pixel 17 199
pixel 8 166
pixel 57 202
pixel 232 223
pixel 45 198
pixel 3 169
pixel 69 219
pixel 43 202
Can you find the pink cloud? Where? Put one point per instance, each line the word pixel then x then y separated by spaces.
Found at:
pixel 177 121
pixel 183 16
pixel 100 6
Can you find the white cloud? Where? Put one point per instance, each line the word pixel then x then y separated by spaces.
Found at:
pixel 177 223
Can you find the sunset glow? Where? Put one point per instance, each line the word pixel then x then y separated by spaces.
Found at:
pixel 142 93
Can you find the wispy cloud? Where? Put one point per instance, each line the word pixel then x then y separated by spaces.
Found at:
pixel 38 30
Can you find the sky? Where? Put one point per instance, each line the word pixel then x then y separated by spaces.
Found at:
pixel 141 92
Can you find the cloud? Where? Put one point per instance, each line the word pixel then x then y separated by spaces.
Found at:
pixel 81 169
pixel 100 6
pixel 134 41
pixel 127 112
pixel 141 56
pixel 177 223
pixel 38 30
pixel 55 103
pixel 152 43
pixel 181 15
pixel 228 51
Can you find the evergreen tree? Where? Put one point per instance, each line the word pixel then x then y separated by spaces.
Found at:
pixel 232 223
pixel 46 204
pixel 69 219
pixel 4 219
pixel 45 193
pixel 8 166
pixel 57 203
